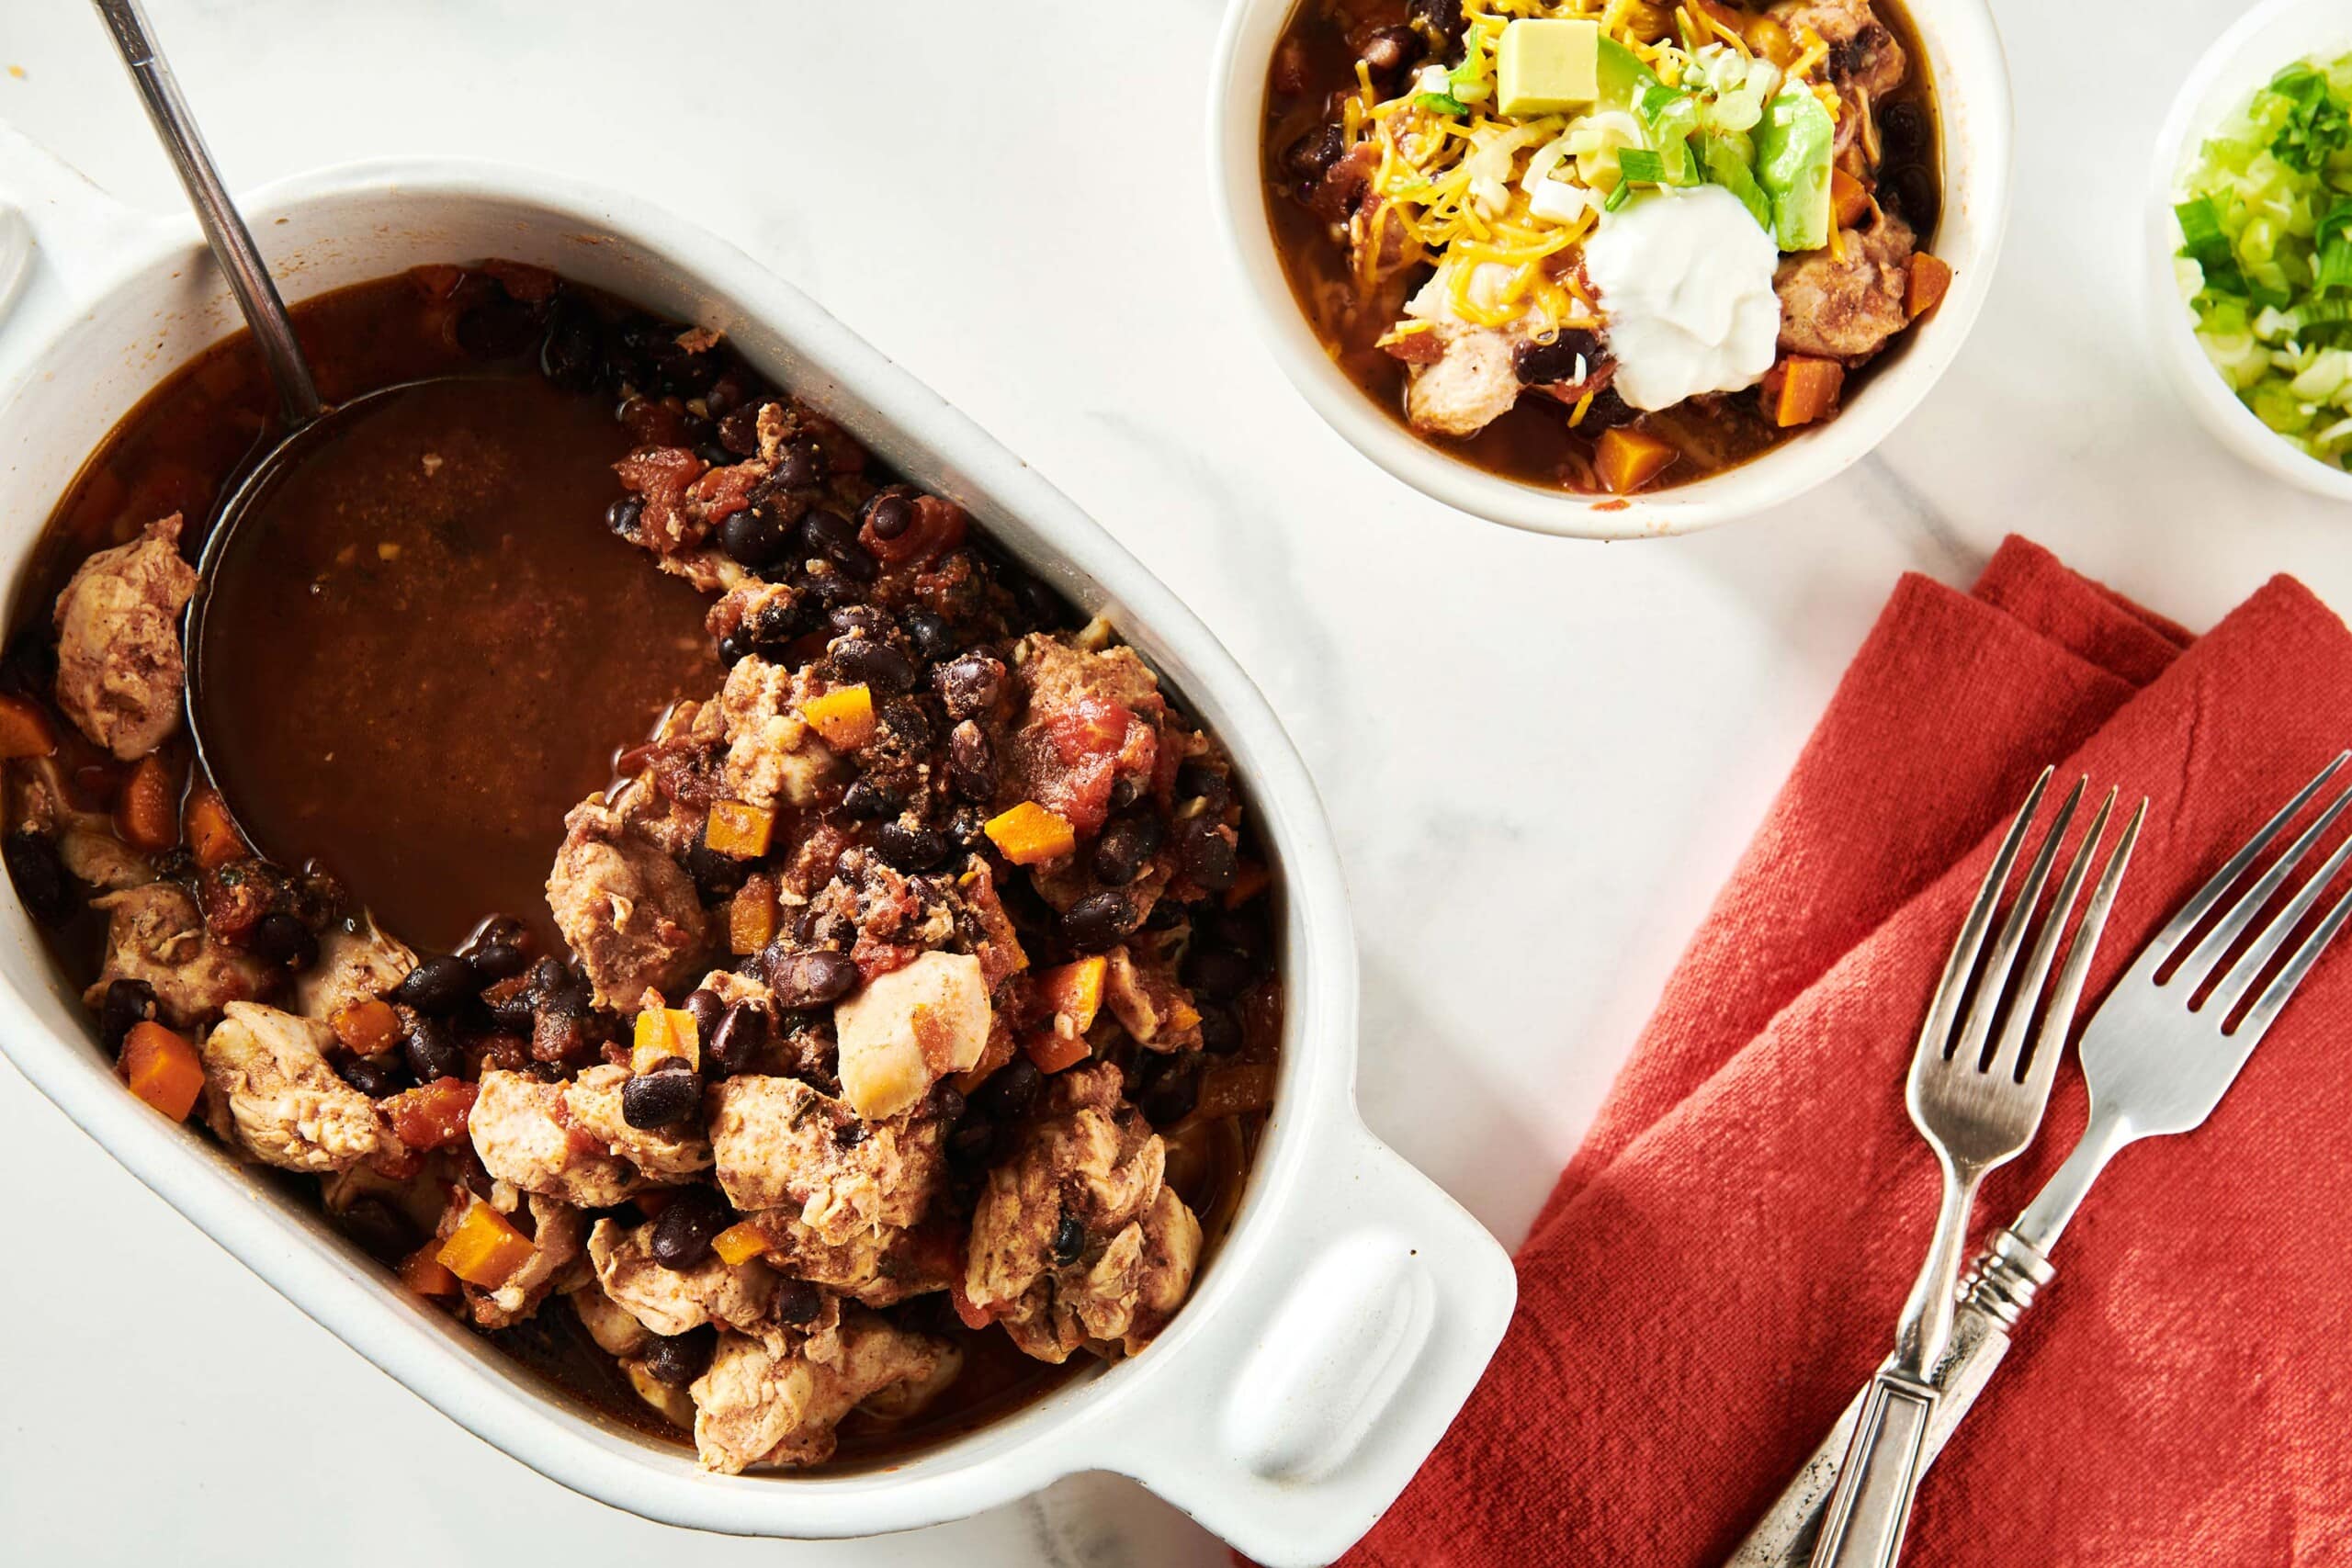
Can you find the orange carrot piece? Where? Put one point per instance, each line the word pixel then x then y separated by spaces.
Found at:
pixel 1809 390
pixel 662 1033
pixel 1236 1090
pixel 1848 198
pixel 1074 990
pixel 161 1068
pixel 751 916
pixel 1030 835
pixel 425 1274
pixel 210 834
pixel 25 730
pixel 146 813
pixel 1930 280
pixel 367 1028
pixel 1626 459
pixel 993 1056
pixel 484 1250
pixel 738 829
pixel 1054 1052
pixel 740 1243
pixel 845 716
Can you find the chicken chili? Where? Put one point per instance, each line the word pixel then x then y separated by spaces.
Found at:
pixel 895 1023
pixel 1604 245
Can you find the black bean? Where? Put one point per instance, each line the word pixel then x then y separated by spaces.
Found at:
pixel 1219 973
pixel 682 1232
pixel 877 664
pixel 932 637
pixel 909 849
pixel 1045 608
pixel 971 1141
pixel 1441 20
pixel 548 975
pixel 433 1052
pixel 829 534
pixel 1125 792
pixel 734 648
pixel 797 1302
pixel 1903 131
pixel 623 515
pixel 849 1134
pixel 498 328
pixel 754 540
pixel 1212 788
pixel 1912 192
pixel 907 720
pixel 738 429
pixel 1571 357
pixel 871 802
pixel 1070 1238
pixel 30 667
pixel 1099 920
pixel 662 1098
pixel 857 620
pixel 375 1077
pixel 1006 1094
pixel 1125 850
pixel 437 986
pixel 812 978
pixel 279 938
pixel 716 875
pixel 971 763
pixel 971 685
pixel 496 961
pixel 1220 1030
pixel 1171 1088
pixel 1607 411
pixel 127 1003
pixel 40 878
pixel 708 1007
pixel 780 621
pixel 889 515
pixel 1207 857
pixel 680 1359
pixel 738 1037
pixel 1311 154
pixel 381 1230
pixel 717 455
pixel 570 355
pixel 801 465
pixel 513 1013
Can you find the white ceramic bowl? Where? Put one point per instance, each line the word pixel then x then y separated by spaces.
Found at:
pixel 2264 42
pixel 1353 1306
pixel 1973 94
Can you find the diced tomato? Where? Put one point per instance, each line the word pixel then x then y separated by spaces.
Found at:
pixel 973 1317
pixel 434 1115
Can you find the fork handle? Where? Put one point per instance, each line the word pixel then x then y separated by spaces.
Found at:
pixel 1872 1507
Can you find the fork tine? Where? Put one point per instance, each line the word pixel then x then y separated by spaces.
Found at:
pixel 1946 1007
pixel 2058 1020
pixel 2008 1054
pixel 2274 995
pixel 1970 1052
pixel 2176 930
pixel 2273 936
pixel 2205 960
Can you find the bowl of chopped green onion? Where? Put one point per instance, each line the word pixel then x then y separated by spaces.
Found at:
pixel 2250 230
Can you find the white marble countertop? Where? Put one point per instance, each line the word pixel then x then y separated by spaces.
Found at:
pixel 1011 201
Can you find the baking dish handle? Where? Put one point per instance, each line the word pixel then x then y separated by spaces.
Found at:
pixel 60 240
pixel 1361 1329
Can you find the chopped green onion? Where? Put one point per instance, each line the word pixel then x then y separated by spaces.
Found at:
pixel 1640 163
pixel 1726 168
pixel 1441 103
pixel 1618 197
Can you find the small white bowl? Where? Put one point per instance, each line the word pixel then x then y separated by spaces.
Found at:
pixel 1972 100
pixel 2264 42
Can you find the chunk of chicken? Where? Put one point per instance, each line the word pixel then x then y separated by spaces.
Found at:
pixel 593 1101
pixel 669 1302
pixel 772 757
pixel 904 1030
pixel 86 841
pixel 1468 387
pixel 762 1406
pixel 119 671
pixel 524 1136
pixel 356 964
pixel 268 1071
pixel 613 1327
pixel 156 934
pixel 1077 1240
pixel 781 1144
pixel 1150 1003
pixel 555 1228
pixel 1093 721
pixel 879 1266
pixel 1863 54
pixel 627 908
pixel 1847 308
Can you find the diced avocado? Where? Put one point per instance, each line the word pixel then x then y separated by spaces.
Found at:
pixel 1547 64
pixel 1793 151
pixel 1622 77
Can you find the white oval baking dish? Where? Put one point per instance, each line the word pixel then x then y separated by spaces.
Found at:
pixel 1354 1305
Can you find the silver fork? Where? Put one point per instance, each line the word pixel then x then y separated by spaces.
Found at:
pixel 2156 1061
pixel 1977 1110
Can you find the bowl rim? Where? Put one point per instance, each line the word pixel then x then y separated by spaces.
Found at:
pixel 1065 1432
pixel 2209 92
pixel 1962 30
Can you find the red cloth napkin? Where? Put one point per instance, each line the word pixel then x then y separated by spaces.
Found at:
pixel 1722 1265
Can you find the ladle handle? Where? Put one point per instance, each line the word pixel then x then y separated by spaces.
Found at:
pixel 233 244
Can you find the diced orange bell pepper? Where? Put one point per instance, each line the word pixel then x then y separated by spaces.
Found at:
pixel 161 1068
pixel 484 1250
pixel 146 813
pixel 434 1115
pixel 1848 198
pixel 25 730
pixel 425 1274
pixel 845 716
pixel 1053 1052
pixel 740 1243
pixel 1074 990
pixel 212 836
pixel 367 1028
pixel 662 1033
pixel 1030 835
pixel 1930 280
pixel 1235 1089
pixel 993 1056
pixel 1808 390
pixel 751 916
pixel 1626 459
pixel 738 829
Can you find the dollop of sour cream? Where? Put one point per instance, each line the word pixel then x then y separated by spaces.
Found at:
pixel 1685 278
